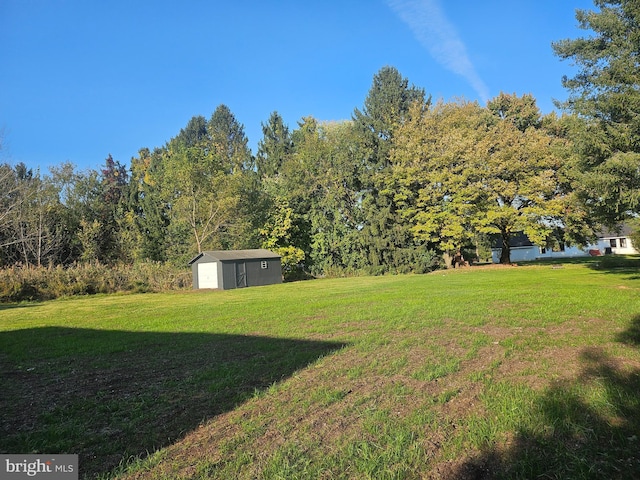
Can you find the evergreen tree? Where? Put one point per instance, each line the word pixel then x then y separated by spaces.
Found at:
pixel 385 108
pixel 148 205
pixel 228 141
pixel 274 147
pixel 195 133
pixel 605 94
pixel 386 237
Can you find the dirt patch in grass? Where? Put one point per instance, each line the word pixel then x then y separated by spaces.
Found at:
pixel 469 467
pixel 473 268
pixel 322 406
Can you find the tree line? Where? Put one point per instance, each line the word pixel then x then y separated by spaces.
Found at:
pixel 403 184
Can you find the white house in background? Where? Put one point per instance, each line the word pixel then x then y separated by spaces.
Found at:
pixel 609 242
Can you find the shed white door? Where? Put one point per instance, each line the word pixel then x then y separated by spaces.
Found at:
pixel 208 275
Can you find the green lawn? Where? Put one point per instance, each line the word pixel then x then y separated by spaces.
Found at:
pixel 516 372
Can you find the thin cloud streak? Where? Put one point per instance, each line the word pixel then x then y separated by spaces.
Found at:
pixel 433 30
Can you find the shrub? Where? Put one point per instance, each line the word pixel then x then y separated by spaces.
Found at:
pixel 20 283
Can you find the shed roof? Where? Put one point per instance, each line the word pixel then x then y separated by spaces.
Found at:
pixel 222 255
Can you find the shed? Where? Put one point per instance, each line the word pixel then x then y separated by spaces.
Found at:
pixel 227 269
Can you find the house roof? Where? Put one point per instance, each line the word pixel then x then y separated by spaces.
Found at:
pixel 223 255
pixel 516 240
pixel 623 230
pixel 521 240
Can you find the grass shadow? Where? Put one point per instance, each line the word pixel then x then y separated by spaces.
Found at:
pixel 588 261
pixel 112 395
pixel 612 264
pixel 11 306
pixel 578 440
pixel 619 264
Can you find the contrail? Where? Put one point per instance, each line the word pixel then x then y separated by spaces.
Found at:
pixel 433 30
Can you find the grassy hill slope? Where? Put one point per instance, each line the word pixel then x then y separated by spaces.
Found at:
pixel 478 373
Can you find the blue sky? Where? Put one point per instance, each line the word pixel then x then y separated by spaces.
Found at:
pixel 82 79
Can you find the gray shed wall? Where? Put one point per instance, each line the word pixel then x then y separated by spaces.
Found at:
pixel 254 274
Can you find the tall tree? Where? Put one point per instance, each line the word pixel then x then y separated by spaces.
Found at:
pixel 334 214
pixel 195 133
pixel 115 182
pixel 38 223
pixel 230 147
pixel 385 108
pixel 20 187
pixel 298 182
pixel 65 179
pixel 228 141
pixel 605 94
pixel 521 186
pixel 36 228
pixel 200 189
pixel 478 173
pixel 521 111
pixel 147 202
pixel 201 194
pixel 13 195
pixel 280 234
pixel 111 209
pixel 96 202
pixel 274 147
pixel 284 227
pixel 315 198
pixel 434 164
pixel 385 237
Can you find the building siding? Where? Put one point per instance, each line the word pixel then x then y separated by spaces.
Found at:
pixel 241 268
pixel 533 252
